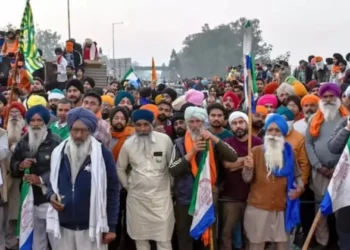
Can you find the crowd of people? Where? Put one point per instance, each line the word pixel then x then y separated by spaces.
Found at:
pixel 116 166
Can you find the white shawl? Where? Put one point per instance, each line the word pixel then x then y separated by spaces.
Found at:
pixel 98 198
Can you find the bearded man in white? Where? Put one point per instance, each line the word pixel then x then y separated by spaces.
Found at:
pixel 149 207
pixel 273 203
pixel 322 160
pixel 84 190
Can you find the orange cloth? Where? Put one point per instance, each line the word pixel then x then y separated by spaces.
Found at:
pixel 153 108
pixel 194 169
pixel 299 89
pixel 10 47
pixel 121 136
pixel 318 119
pixel 23 80
pixel 271 88
pixel 261 110
pixel 318 59
pixel 309 99
pixel 335 69
pixel 69 47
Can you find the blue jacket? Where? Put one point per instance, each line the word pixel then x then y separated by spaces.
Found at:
pixel 76 198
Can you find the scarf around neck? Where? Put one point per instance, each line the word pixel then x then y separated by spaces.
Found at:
pixel 121 137
pixel 292 213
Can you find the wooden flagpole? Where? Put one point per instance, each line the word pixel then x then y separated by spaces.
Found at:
pixel 312 230
pixel 212 243
pixel 250 118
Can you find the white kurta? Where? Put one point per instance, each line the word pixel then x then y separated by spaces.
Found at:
pixel 149 212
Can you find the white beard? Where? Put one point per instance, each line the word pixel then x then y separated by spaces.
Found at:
pixel 14 129
pixel 329 111
pixel 77 153
pixel 144 145
pixel 320 65
pixel 195 135
pixel 274 146
pixel 36 137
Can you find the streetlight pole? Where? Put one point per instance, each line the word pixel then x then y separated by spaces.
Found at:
pixel 114 66
pixel 68 9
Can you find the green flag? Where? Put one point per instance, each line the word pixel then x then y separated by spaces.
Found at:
pixel 27 43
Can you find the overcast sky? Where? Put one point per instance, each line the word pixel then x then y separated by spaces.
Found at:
pixel 154 27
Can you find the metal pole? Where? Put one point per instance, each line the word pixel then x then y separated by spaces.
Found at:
pixel 114 66
pixel 68 9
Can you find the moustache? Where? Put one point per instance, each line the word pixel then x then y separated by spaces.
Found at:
pixel 330 104
pixel 36 128
pixel 258 124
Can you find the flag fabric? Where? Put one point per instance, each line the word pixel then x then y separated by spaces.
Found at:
pixel 154 72
pixel 249 67
pixel 202 205
pixel 337 195
pixel 131 77
pixel 27 43
pixel 25 222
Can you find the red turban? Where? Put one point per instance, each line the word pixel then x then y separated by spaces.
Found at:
pixel 234 98
pixel 271 88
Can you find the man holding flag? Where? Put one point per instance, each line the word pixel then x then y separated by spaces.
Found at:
pixel 336 199
pixel 194 165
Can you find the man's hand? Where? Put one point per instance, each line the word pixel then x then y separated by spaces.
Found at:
pixel 248 162
pixel 160 129
pixel 108 237
pixel 323 170
pixel 199 146
pixel 295 193
pixel 27 163
pixel 329 173
pixel 58 206
pixel 209 136
pixel 32 179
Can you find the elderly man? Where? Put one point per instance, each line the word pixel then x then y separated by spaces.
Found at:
pixel 184 158
pixel 33 152
pixel 235 190
pixel 270 102
pixel 322 160
pixel 336 144
pixel 4 151
pixel 309 104
pixel 283 91
pixel 273 204
pixel 148 184
pixel 84 190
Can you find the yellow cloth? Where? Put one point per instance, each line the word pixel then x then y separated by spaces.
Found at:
pixel 299 89
pixel 158 99
pixel 108 99
pixel 36 100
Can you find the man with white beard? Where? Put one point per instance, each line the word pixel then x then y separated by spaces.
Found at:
pixel 33 152
pixel 184 162
pixel 273 204
pixel 149 206
pixel 84 188
pixel 16 129
pixel 322 160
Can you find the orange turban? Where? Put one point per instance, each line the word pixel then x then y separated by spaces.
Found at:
pixel 270 88
pixel 153 108
pixel 299 89
pixel 309 99
pixel 318 59
pixel 261 110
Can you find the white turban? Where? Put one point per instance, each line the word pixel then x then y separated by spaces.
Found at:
pixel 285 87
pixel 196 112
pixel 238 114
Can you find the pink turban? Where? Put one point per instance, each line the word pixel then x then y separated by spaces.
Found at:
pixel 268 99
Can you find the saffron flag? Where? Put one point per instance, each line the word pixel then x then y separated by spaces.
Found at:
pixel 202 205
pixel 154 74
pixel 132 78
pixel 27 43
pixel 25 222
pixel 249 67
pixel 337 195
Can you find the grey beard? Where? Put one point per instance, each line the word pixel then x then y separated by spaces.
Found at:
pixel 36 137
pixel 330 111
pixel 144 145
pixel 14 129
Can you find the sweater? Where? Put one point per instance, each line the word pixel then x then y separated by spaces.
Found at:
pixel 61 131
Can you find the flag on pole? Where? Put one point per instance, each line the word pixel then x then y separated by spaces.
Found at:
pixel 249 67
pixel 202 206
pixel 25 222
pixel 131 77
pixel 154 72
pixel 27 43
pixel 337 194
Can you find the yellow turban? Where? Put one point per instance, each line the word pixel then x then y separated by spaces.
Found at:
pixel 158 99
pixel 36 100
pixel 299 89
pixel 108 99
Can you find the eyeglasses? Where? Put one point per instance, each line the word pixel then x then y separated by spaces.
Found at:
pixel 80 130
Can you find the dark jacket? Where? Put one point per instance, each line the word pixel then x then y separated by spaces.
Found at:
pixel 339 137
pixel 308 74
pixel 180 168
pixel 76 198
pixel 322 75
pixel 42 165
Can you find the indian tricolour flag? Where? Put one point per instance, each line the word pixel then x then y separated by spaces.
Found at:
pixel 249 67
pixel 25 222
pixel 202 206
pixel 337 195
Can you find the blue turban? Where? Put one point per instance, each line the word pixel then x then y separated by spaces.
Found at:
pixel 280 121
pixel 40 110
pixel 284 111
pixel 142 114
pixel 85 116
pixel 121 95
